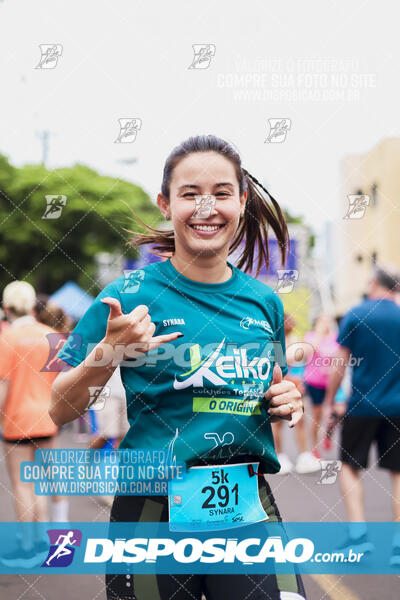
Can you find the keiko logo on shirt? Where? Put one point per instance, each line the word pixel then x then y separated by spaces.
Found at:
pixel 226 367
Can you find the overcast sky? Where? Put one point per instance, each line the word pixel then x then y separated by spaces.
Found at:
pixel 330 67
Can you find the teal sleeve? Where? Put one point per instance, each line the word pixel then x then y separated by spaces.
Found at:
pixel 280 335
pixel 90 330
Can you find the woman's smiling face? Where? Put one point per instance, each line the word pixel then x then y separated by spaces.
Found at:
pixel 203 173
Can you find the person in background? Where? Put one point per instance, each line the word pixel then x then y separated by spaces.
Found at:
pixel 306 462
pixel 369 334
pixel 110 415
pixel 109 419
pixel 341 397
pixel 320 347
pixel 24 404
pixel 53 316
pixel 4 324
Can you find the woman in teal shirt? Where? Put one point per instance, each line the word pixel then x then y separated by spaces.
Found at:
pixel 201 348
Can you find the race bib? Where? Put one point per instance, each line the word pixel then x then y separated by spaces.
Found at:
pixel 215 497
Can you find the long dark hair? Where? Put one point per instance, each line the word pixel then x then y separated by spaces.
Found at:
pixel 253 227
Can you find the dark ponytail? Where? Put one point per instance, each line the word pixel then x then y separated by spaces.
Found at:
pixel 258 216
pixel 253 227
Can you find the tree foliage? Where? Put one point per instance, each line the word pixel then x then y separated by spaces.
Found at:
pixel 48 252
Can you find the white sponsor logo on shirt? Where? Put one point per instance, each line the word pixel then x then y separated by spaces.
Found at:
pixel 247 321
pixel 168 322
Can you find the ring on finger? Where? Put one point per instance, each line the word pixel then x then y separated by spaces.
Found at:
pixel 290 405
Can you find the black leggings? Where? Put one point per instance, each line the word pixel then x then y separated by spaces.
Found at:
pixel 191 587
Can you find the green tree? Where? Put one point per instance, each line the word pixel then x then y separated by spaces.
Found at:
pixel 47 252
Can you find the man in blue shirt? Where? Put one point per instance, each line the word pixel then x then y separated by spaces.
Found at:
pixel 369 338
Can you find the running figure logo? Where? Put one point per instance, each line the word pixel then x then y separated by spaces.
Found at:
pixel 329 471
pixel 278 129
pixel 204 206
pixel 98 395
pixel 253 390
pixel 203 54
pixel 357 206
pixel 50 53
pixel 62 547
pixel 286 280
pixel 54 205
pixel 128 129
pixel 132 281
pixel 56 342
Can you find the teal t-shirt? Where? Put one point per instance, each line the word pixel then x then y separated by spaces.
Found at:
pixel 200 398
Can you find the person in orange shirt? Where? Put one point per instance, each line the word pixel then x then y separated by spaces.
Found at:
pixel 52 315
pixel 3 323
pixel 24 403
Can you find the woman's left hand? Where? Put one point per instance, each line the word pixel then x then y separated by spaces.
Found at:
pixel 284 398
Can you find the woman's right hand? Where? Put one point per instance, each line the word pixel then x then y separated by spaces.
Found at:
pixel 127 336
pixel 134 329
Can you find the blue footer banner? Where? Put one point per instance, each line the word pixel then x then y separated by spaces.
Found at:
pixel 266 547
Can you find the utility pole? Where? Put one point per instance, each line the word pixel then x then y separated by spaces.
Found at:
pixel 44 138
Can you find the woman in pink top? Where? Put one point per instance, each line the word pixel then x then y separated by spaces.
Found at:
pixel 322 346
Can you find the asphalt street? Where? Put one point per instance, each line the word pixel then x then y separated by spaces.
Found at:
pixel 299 498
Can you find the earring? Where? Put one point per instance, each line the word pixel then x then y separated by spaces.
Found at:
pixel 166 217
